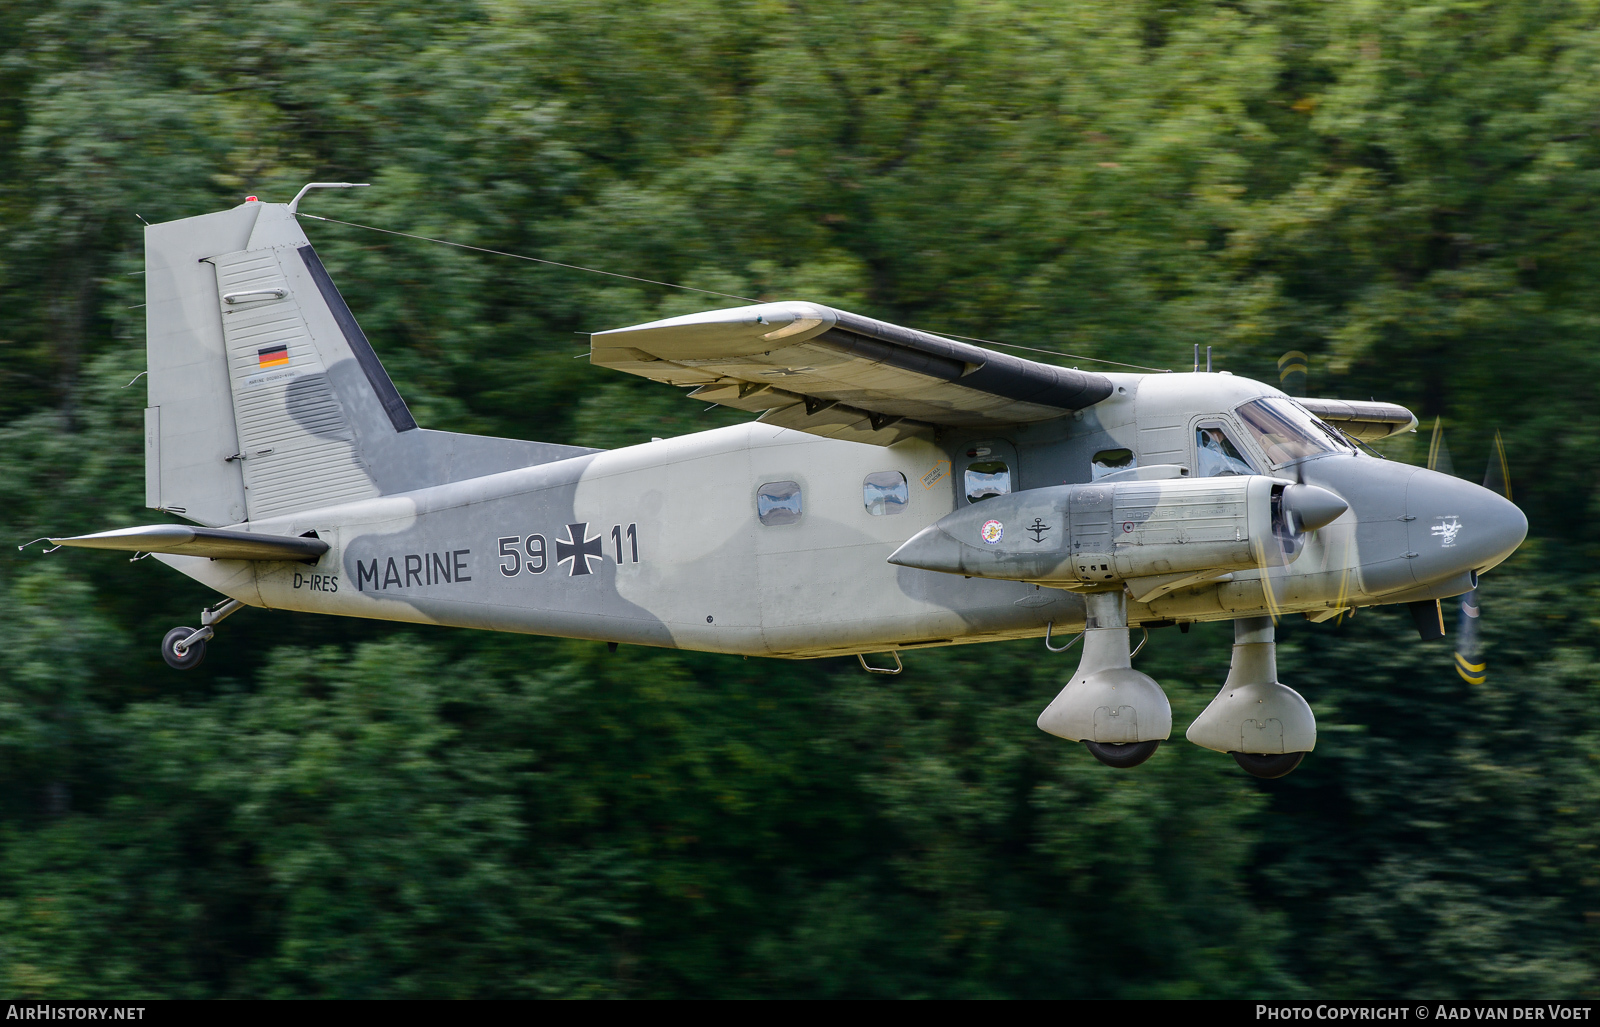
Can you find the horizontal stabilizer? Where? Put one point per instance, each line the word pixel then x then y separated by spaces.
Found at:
pixel 184 540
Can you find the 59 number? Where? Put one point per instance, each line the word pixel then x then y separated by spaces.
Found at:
pixel 534 547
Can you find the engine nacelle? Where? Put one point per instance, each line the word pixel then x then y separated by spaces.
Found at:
pixel 1091 534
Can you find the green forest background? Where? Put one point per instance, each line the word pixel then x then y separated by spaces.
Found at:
pixel 1407 192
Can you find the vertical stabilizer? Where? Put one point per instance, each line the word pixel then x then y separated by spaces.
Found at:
pixel 189 427
pixel 265 396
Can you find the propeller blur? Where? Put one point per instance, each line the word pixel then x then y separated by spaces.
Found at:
pixel 1470 662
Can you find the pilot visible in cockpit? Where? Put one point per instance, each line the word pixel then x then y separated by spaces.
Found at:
pixel 1217 454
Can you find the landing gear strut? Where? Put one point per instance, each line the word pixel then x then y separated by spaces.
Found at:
pixel 185 648
pixel 1119 714
pixel 1264 725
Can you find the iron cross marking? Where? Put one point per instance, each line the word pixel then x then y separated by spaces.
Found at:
pixel 579 548
pixel 1038 527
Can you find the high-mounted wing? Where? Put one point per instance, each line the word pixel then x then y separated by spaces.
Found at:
pixel 1362 419
pixel 840 375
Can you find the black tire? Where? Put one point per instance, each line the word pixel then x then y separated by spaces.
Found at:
pixel 1268 765
pixel 189 659
pixel 1124 755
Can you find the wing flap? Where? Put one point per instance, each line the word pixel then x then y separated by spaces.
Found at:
pixel 743 395
pixel 837 421
pixel 636 361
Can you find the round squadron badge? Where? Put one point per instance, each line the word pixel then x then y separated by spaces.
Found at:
pixel 993 531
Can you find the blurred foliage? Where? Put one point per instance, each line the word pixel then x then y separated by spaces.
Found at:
pixel 1403 192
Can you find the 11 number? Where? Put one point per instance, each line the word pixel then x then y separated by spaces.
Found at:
pixel 633 540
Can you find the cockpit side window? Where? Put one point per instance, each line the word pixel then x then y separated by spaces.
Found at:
pixel 1217 454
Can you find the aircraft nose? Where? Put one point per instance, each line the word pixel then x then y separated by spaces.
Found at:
pixel 1459 526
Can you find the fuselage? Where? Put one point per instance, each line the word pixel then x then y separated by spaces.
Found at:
pixel 760 540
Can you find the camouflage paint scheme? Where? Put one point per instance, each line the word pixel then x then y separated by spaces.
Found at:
pixel 269 413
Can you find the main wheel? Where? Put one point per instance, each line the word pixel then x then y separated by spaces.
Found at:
pixel 1123 755
pixel 187 659
pixel 1268 764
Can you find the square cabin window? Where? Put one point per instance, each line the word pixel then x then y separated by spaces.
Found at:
pixel 885 493
pixel 1110 461
pixel 986 479
pixel 778 502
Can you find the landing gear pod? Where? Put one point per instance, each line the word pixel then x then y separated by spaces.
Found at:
pixel 1265 725
pixel 1268 765
pixel 1121 715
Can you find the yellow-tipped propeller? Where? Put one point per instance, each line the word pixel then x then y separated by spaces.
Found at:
pixel 1469 660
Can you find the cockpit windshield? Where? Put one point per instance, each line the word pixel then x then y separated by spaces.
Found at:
pixel 1287 433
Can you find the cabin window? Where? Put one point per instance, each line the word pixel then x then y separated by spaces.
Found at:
pixel 778 502
pixel 1110 461
pixel 1217 454
pixel 885 493
pixel 986 479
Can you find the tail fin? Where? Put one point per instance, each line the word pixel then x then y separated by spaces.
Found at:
pixel 265 396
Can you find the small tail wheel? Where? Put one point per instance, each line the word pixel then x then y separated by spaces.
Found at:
pixel 1268 764
pixel 190 657
pixel 1124 755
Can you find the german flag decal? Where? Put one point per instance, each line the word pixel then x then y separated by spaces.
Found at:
pixel 273 356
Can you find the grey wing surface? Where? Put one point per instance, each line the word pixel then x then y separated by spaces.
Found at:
pixel 840 375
